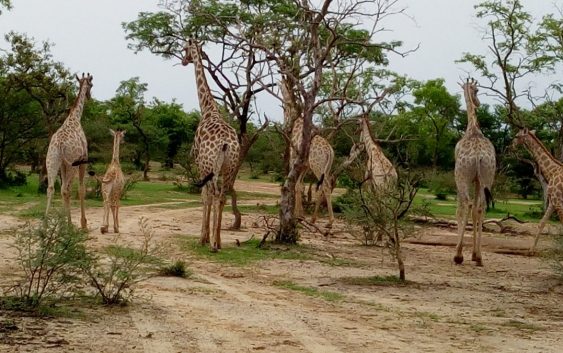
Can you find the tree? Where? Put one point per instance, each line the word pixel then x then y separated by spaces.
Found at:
pixel 128 107
pixel 7 4
pixel 438 107
pixel 20 124
pixel 31 68
pixel 516 50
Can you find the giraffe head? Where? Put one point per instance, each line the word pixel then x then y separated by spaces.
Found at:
pixel 118 135
pixel 191 50
pixel 522 136
pixel 85 82
pixel 470 89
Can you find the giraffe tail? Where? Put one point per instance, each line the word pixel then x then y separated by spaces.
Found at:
pixel 79 162
pixel 489 198
pixel 204 181
pixel 320 182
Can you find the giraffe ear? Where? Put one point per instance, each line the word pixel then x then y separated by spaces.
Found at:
pixel 533 132
pixel 112 132
pixel 77 78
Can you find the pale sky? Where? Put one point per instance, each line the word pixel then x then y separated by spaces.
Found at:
pixel 88 37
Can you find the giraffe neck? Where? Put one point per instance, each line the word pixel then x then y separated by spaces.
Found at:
pixel 365 136
pixel 548 165
pixel 206 102
pixel 472 122
pixel 78 106
pixel 115 155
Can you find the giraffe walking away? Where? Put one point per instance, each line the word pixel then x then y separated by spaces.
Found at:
pixel 112 185
pixel 552 171
pixel 68 152
pixel 216 150
pixel 321 157
pixel 475 163
pixel 380 171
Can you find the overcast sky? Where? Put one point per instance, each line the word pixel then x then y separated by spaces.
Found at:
pixel 88 37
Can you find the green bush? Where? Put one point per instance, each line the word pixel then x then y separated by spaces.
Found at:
pixel 50 255
pixel 115 273
pixel 13 178
pixel 177 269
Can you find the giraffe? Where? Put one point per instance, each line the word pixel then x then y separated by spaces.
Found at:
pixel 475 162
pixel 380 171
pixel 321 156
pixel 68 152
pixel 112 184
pixel 216 150
pixel 551 169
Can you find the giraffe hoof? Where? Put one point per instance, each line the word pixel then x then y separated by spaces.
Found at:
pixel 116 230
pixel 479 263
pixel 473 257
pixel 458 259
pixel 214 249
pixel 104 230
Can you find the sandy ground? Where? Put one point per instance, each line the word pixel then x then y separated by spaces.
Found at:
pixel 512 304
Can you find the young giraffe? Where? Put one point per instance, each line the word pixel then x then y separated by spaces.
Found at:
pixel 112 184
pixel 68 152
pixel 552 171
pixel 321 156
pixel 379 169
pixel 216 149
pixel 475 162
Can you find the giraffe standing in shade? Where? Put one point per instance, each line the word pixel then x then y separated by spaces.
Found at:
pixel 68 152
pixel 321 156
pixel 216 150
pixel 379 169
pixel 475 163
pixel 112 184
pixel 552 171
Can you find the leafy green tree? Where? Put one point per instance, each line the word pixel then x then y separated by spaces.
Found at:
pixel 31 68
pixel 20 124
pixel 177 125
pixel 7 4
pixel 437 108
pixel 129 110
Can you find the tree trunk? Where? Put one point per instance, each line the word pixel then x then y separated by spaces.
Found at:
pixel 287 233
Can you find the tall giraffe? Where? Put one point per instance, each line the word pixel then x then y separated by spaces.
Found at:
pixel 551 169
pixel 321 156
pixel 475 162
pixel 380 171
pixel 216 150
pixel 112 184
pixel 68 152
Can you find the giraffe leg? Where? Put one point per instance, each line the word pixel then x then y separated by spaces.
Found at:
pixel 82 194
pixel 219 211
pixel 544 220
pixel 115 222
pixel 207 199
pixel 478 215
pixel 318 199
pixel 105 219
pixel 327 192
pixel 53 166
pixel 462 213
pixel 298 211
pixel 67 174
pixel 214 243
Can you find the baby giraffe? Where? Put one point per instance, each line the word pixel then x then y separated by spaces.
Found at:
pixel 112 185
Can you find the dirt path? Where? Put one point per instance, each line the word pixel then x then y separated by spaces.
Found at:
pixel 512 304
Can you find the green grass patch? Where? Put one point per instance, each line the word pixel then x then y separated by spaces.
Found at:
pixel 374 281
pixel 309 291
pixel 177 269
pixel 243 255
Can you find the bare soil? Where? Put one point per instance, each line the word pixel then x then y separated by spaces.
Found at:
pixel 512 304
